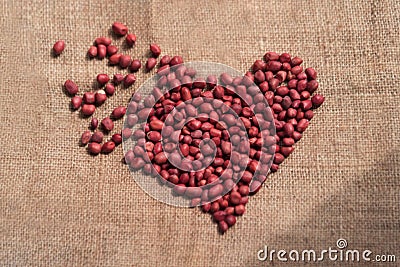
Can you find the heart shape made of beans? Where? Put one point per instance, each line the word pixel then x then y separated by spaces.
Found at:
pixel 171 143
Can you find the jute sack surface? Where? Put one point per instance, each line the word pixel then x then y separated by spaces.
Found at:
pixel 60 206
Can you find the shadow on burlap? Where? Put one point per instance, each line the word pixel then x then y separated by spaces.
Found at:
pixel 60 206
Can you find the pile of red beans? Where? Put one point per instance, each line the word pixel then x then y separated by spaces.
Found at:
pixel 222 188
pixel 229 131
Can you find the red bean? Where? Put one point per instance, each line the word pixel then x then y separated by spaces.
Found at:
pixel 101 51
pixel 230 220
pixel 119 29
pixel 244 200
pixel 124 61
pixel 114 59
pixel 244 191
pixel 305 95
pixel 92 52
pixel 286 150
pixel 110 89
pixel 215 191
pixel 155 50
pixel 88 98
pixel 94 123
pixel 165 60
pixel 70 87
pixel 194 192
pixel 137 164
pixel 126 133
pixel 274 83
pixel 239 209
pixel 156 125
pixel 306 105
pixel 294 95
pixel 214 207
pixel 137 97
pixel 184 149
pixel 282 91
pixel 286 102
pixel 288 141
pixel 117 79
pixel 85 138
pixel 292 84
pixel 312 86
pixel 154 136
pixel 151 63
pixel 103 41
pixel 135 65
pixel 286 66
pixel 311 73
pixel 97 137
pixel 229 119
pixel 302 125
pixel 180 190
pixel 129 80
pixel 281 75
pixel 230 210
pixel 76 102
pixel 274 66
pixel 255 186
pixel 194 125
pixel 288 129
pixel 285 57
pixel 235 198
pixel 296 61
pixel 301 76
pixel 112 50
pixel 278 159
pixel 293 121
pixel 94 148
pixel 130 39
pixel 309 114
pixel 185 94
pixel 88 109
pixel 296 103
pixel 118 112
pixel 176 60
pixel 149 101
pixel 296 70
pixel 317 100
pixel 258 65
pixel 102 79
pixel 219 215
pixel 164 70
pixel 100 97
pixel 161 158
pixel 271 56
pixel 274 167
pixel 107 124
pixel 107 147
pixel 259 76
pixel 223 226
pixel 58 47
pixel 301 85
pixel 143 113
pixel 226 78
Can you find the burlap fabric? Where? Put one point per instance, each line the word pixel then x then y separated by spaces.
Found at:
pixel 61 207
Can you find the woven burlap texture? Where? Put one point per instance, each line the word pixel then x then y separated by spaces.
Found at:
pixel 60 206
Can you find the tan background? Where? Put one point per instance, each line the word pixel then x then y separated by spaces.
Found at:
pixel 61 207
